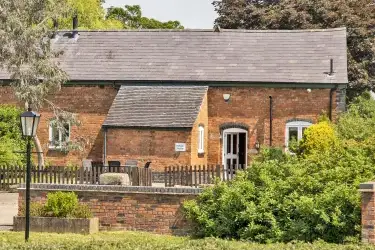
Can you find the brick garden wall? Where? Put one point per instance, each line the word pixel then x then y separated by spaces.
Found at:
pixel 119 208
pixel 368 212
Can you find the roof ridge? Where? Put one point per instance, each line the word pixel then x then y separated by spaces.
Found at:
pixel 212 31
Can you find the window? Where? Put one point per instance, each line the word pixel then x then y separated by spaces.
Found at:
pixel 58 137
pixel 201 139
pixel 295 130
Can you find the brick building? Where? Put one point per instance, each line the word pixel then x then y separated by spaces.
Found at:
pixel 191 96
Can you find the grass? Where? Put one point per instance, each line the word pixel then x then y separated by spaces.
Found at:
pixel 145 241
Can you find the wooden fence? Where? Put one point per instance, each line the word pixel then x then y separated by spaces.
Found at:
pixel 13 175
pixel 195 176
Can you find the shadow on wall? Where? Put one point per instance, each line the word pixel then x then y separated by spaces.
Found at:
pixel 96 149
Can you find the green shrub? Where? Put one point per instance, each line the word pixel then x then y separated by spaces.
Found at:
pixel 358 123
pixel 10 136
pixel 81 211
pixel 296 199
pixel 271 153
pixel 37 209
pixel 61 204
pixel 147 241
pixel 318 138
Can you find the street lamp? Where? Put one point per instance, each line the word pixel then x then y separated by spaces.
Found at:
pixel 29 123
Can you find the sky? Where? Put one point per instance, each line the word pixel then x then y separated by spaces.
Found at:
pixel 193 14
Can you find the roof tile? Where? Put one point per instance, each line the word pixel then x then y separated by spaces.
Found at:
pixel 156 106
pixel 301 56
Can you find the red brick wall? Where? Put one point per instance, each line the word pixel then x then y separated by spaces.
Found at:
pixel 7 96
pixel 151 212
pixel 91 103
pixel 247 105
pixel 368 217
pixel 155 145
pixel 250 106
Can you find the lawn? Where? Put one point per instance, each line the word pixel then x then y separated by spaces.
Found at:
pixel 143 241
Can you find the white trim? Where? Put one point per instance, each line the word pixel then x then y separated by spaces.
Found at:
pixel 232 131
pixel 299 125
pixel 50 137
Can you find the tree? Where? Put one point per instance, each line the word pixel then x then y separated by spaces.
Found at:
pixel 358 16
pixel 26 53
pixel 131 17
pixel 10 136
pixel 91 16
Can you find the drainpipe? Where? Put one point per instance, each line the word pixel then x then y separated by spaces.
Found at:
pixel 331 92
pixel 105 148
pixel 271 107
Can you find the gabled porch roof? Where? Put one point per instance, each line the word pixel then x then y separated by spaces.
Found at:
pixel 156 106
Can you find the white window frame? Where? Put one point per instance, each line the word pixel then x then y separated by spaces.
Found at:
pixel 50 139
pixel 200 139
pixel 300 125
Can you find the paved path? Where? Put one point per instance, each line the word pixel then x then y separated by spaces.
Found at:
pixel 8 209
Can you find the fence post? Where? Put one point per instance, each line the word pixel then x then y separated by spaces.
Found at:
pixel 173 176
pixel 218 172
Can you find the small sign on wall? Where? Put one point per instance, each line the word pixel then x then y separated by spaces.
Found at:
pixel 180 147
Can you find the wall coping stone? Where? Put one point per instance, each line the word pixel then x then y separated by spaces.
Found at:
pixel 367 187
pixel 114 189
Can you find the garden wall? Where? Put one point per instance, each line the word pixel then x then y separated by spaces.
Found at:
pixel 150 209
pixel 368 212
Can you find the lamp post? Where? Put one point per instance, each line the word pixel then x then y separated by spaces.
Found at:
pixel 29 123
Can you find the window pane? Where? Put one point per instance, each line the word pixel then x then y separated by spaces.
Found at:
pixel 201 139
pixel 235 144
pixel 55 134
pixel 66 133
pixel 228 163
pixel 229 139
pixel 293 134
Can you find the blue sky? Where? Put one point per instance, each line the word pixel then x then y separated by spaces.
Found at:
pixel 193 14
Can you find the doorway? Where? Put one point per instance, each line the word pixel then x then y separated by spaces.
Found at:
pixel 234 148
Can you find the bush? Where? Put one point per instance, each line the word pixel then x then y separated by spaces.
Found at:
pixel 61 204
pixel 36 209
pixel 81 211
pixel 318 138
pixel 268 153
pixel 312 195
pixel 10 136
pixel 297 199
pixel 358 123
pixel 147 241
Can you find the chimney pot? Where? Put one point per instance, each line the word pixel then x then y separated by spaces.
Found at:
pixel 55 27
pixel 75 26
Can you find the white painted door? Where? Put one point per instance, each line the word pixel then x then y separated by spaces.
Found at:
pixel 231 146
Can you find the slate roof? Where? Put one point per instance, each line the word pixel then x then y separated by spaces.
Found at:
pixel 156 106
pixel 298 56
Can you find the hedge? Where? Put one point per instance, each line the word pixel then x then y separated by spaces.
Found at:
pixel 145 241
